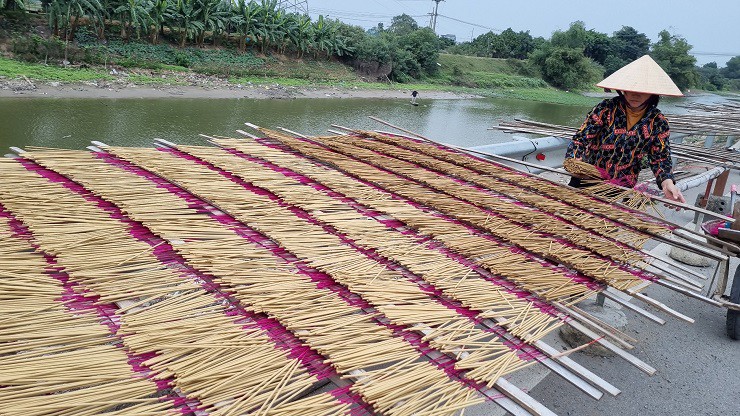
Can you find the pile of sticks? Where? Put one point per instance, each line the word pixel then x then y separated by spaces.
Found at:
pixel 678 124
pixel 243 276
pixel 720 120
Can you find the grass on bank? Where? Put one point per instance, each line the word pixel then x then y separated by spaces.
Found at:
pixel 477 74
pixel 15 69
pixel 10 68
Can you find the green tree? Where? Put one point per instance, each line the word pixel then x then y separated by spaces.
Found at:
pixel 325 38
pixel 64 15
pixel 377 30
pixel 403 25
pixel 184 20
pixel 265 23
pixel 374 49
pixel 405 66
pixel 486 45
pixel 134 16
pixel 213 15
pixel 595 45
pixel 445 43
pixel 303 40
pixel 672 54
pixel 575 37
pixel 598 46
pixel 518 45
pixel 423 44
pixel 244 15
pixel 353 37
pixel 507 44
pixel 565 67
pixel 158 14
pixel 12 5
pixel 629 44
pixel 732 68
pixel 710 77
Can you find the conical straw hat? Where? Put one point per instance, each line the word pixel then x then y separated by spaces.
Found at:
pixel 642 75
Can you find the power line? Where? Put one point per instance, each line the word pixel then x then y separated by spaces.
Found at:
pixel 402 6
pixel 350 13
pixel 470 24
pixel 715 54
pixel 356 16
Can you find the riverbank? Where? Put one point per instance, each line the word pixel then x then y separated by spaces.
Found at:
pixel 18 79
pixel 268 89
pixel 271 90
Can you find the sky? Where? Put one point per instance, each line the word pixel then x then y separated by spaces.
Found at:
pixel 712 27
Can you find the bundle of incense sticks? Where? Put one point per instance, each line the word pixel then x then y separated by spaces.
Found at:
pixel 551 283
pixel 532 183
pixel 436 268
pixel 129 190
pixel 197 324
pixel 506 200
pixel 56 356
pixel 492 222
pixel 303 148
pixel 286 229
pixel 581 168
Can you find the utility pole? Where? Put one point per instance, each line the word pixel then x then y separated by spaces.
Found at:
pixel 433 21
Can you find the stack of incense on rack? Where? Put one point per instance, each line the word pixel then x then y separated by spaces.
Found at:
pixel 359 273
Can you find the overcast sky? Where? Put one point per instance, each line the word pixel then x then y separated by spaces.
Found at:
pixel 712 27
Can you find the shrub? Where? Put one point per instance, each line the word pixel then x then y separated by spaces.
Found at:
pixel 35 48
pixel 85 37
pixel 182 59
pixel 566 68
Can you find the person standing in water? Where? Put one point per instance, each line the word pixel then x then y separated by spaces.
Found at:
pixel 413 97
pixel 620 131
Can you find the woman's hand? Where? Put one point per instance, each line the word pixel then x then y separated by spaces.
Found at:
pixel 671 191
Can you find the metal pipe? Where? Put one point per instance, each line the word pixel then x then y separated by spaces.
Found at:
pixel 700 179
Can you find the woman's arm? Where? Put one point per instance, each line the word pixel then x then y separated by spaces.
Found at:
pixel 589 131
pixel 659 158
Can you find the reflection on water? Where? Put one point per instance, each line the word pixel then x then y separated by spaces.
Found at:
pixel 73 123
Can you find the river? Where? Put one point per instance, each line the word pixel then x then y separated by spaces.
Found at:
pixel 73 123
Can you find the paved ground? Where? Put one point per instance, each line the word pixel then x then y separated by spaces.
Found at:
pixel 698 366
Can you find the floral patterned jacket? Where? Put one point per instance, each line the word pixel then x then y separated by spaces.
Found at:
pixel 604 141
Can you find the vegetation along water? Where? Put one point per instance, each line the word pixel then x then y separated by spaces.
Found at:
pixel 197 42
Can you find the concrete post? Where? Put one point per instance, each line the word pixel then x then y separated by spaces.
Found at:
pixel 678 139
pixel 730 141
pixel 709 140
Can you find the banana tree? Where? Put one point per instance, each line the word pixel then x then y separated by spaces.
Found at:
pixel 12 4
pixel 65 15
pixel 302 35
pixel 324 32
pixel 244 19
pixel 134 15
pixel 184 20
pixel 265 23
pixel 223 11
pixel 209 13
pixel 285 27
pixel 158 15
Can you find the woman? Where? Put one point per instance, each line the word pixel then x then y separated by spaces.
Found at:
pixel 620 131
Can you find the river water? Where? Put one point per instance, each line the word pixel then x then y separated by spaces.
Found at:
pixel 73 123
